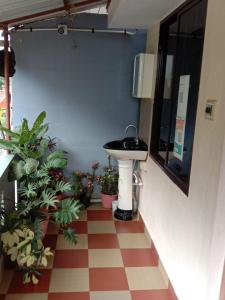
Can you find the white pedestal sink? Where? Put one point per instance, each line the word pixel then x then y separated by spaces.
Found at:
pixel 126 151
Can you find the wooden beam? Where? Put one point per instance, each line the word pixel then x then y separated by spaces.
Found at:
pixel 66 4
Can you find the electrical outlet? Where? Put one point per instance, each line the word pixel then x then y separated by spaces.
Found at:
pixel 210 109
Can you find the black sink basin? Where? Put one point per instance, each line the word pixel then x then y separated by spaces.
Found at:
pixel 127 144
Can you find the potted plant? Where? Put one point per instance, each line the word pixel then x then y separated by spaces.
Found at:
pixel 108 183
pixel 84 183
pixel 21 241
pixel 58 181
pixel 31 167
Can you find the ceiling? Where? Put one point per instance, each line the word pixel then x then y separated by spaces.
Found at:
pixel 99 10
pixel 16 11
pixel 122 13
pixel 139 13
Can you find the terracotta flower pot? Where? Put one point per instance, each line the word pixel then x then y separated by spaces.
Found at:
pixel 107 200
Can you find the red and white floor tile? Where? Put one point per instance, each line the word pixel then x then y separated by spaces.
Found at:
pixel 112 260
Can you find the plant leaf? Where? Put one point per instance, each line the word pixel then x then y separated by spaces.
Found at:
pixel 70 235
pixel 62 186
pixel 39 121
pixel 48 199
pixel 38 233
pixel 57 163
pixel 68 211
pixel 56 154
pixel 16 170
pixel 7 145
pixel 31 165
pixel 43 146
pixel 25 134
pixel 24 208
pixel 40 132
pixel 10 133
pixel 28 191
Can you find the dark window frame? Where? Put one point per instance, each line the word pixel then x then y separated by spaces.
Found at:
pixel 159 89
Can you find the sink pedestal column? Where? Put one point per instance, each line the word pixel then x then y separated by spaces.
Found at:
pixel 124 210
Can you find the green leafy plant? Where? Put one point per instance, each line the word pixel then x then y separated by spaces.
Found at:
pixel 21 241
pixel 38 168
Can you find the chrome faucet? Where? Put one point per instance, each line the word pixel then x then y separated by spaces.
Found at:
pixel 132 126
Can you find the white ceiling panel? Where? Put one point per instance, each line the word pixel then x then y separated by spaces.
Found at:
pixel 139 13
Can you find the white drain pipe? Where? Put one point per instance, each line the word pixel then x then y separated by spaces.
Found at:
pixel 137 184
pixel 91 30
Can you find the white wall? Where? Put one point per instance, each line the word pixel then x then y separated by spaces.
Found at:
pixel 183 228
pixel 217 254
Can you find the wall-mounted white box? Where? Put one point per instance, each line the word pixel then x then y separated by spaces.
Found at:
pixel 143 75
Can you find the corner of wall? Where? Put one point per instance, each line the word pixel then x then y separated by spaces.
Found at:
pixel 147 105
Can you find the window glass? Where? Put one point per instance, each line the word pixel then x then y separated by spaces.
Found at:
pixel 178 78
pixel 186 86
pixel 164 145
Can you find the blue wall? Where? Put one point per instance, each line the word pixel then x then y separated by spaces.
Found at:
pixel 83 81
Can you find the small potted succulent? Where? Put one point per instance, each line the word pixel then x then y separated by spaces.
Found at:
pixel 84 183
pixel 108 183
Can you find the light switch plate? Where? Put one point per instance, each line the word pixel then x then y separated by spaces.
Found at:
pixel 210 109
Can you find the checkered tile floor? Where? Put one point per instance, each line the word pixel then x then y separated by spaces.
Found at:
pixel 112 260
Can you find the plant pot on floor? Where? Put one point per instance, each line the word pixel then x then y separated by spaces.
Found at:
pixel 85 200
pixel 107 200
